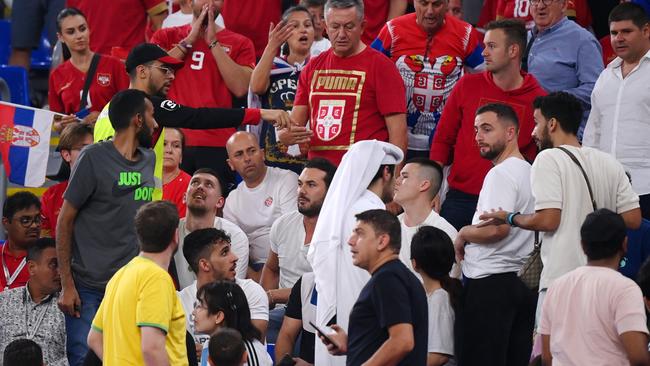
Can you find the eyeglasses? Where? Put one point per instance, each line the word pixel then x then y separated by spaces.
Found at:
pixel 545 2
pixel 27 221
pixel 166 70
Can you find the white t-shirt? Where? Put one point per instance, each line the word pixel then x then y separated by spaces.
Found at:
pixel 257 354
pixel 441 325
pixel 288 242
pixel 586 311
pixel 408 232
pixel 557 182
pixel 238 244
pixel 258 303
pixel 255 209
pixel 506 186
pixel 319 46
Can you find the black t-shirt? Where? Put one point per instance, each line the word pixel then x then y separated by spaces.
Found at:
pixel 393 295
pixel 294 311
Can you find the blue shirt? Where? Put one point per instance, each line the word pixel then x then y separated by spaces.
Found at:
pixel 566 57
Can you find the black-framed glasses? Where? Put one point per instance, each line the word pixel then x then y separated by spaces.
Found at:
pixel 27 221
pixel 545 2
pixel 165 69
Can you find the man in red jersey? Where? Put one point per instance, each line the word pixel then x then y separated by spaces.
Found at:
pixel 21 219
pixel 430 49
pixel 217 67
pixel 73 138
pixel 349 93
pixel 120 23
pixel 502 82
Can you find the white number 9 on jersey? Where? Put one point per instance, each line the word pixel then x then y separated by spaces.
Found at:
pixel 197 60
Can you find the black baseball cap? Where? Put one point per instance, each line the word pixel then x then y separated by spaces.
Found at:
pixel 147 52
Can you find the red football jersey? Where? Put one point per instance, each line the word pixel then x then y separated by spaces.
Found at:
pixel 251 18
pixel 12 264
pixel 51 203
pixel 348 99
pixel 199 83
pixel 118 23
pixel 67 82
pixel 174 192
pixel 376 14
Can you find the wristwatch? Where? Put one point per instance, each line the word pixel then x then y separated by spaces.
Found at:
pixel 213 43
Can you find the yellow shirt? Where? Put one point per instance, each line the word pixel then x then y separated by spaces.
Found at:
pixel 140 294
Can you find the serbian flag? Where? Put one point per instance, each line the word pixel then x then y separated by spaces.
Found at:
pixel 25 143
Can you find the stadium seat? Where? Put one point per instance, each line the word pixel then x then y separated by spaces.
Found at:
pixel 14 87
pixel 5 41
pixel 41 56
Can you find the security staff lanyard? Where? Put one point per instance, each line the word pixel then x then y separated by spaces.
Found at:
pixel 10 278
pixel 39 318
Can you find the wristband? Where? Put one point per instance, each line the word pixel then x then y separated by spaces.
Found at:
pixel 510 218
pixel 213 43
pixel 184 44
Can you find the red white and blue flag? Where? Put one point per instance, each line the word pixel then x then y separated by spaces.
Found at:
pixel 25 143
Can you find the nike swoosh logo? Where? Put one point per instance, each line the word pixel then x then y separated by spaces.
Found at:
pixel 121 191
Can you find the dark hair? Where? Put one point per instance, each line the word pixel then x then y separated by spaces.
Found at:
pixel 312 3
pixel 515 32
pixel 156 224
pixel 213 173
pixel 503 111
pixel 226 347
pixel 198 244
pixel 602 234
pixel 434 168
pixel 325 166
pixel 72 134
pixel 433 252
pixel 19 201
pixel 35 250
pixel 346 4
pixel 229 298
pixel 384 222
pixel 643 278
pixel 380 172
pixel 23 352
pixel 124 105
pixel 562 106
pixel 67 12
pixel 629 11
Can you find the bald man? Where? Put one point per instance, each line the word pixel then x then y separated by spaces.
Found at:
pixel 265 194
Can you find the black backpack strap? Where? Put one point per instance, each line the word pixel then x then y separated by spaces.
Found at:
pixel 90 75
pixel 584 174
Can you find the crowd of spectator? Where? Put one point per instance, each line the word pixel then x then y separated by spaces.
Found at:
pixel 335 182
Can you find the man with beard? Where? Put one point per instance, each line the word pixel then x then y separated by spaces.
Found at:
pixel 454 141
pixel 152 70
pixel 21 220
pixel 204 197
pixel 217 66
pixel 95 233
pixel 563 197
pixel 290 237
pixel 209 253
pixel 495 300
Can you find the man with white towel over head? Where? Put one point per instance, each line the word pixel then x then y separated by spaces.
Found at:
pixel 363 181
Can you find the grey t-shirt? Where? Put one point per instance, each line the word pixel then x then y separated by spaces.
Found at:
pixel 107 189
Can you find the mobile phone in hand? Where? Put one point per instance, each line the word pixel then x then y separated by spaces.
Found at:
pixel 287 360
pixel 321 333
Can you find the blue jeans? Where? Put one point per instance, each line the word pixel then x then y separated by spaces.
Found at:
pixel 276 316
pixel 77 328
pixel 459 208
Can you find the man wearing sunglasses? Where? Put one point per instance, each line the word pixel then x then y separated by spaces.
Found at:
pixel 21 219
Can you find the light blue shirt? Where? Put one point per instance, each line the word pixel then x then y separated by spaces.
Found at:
pixel 566 57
